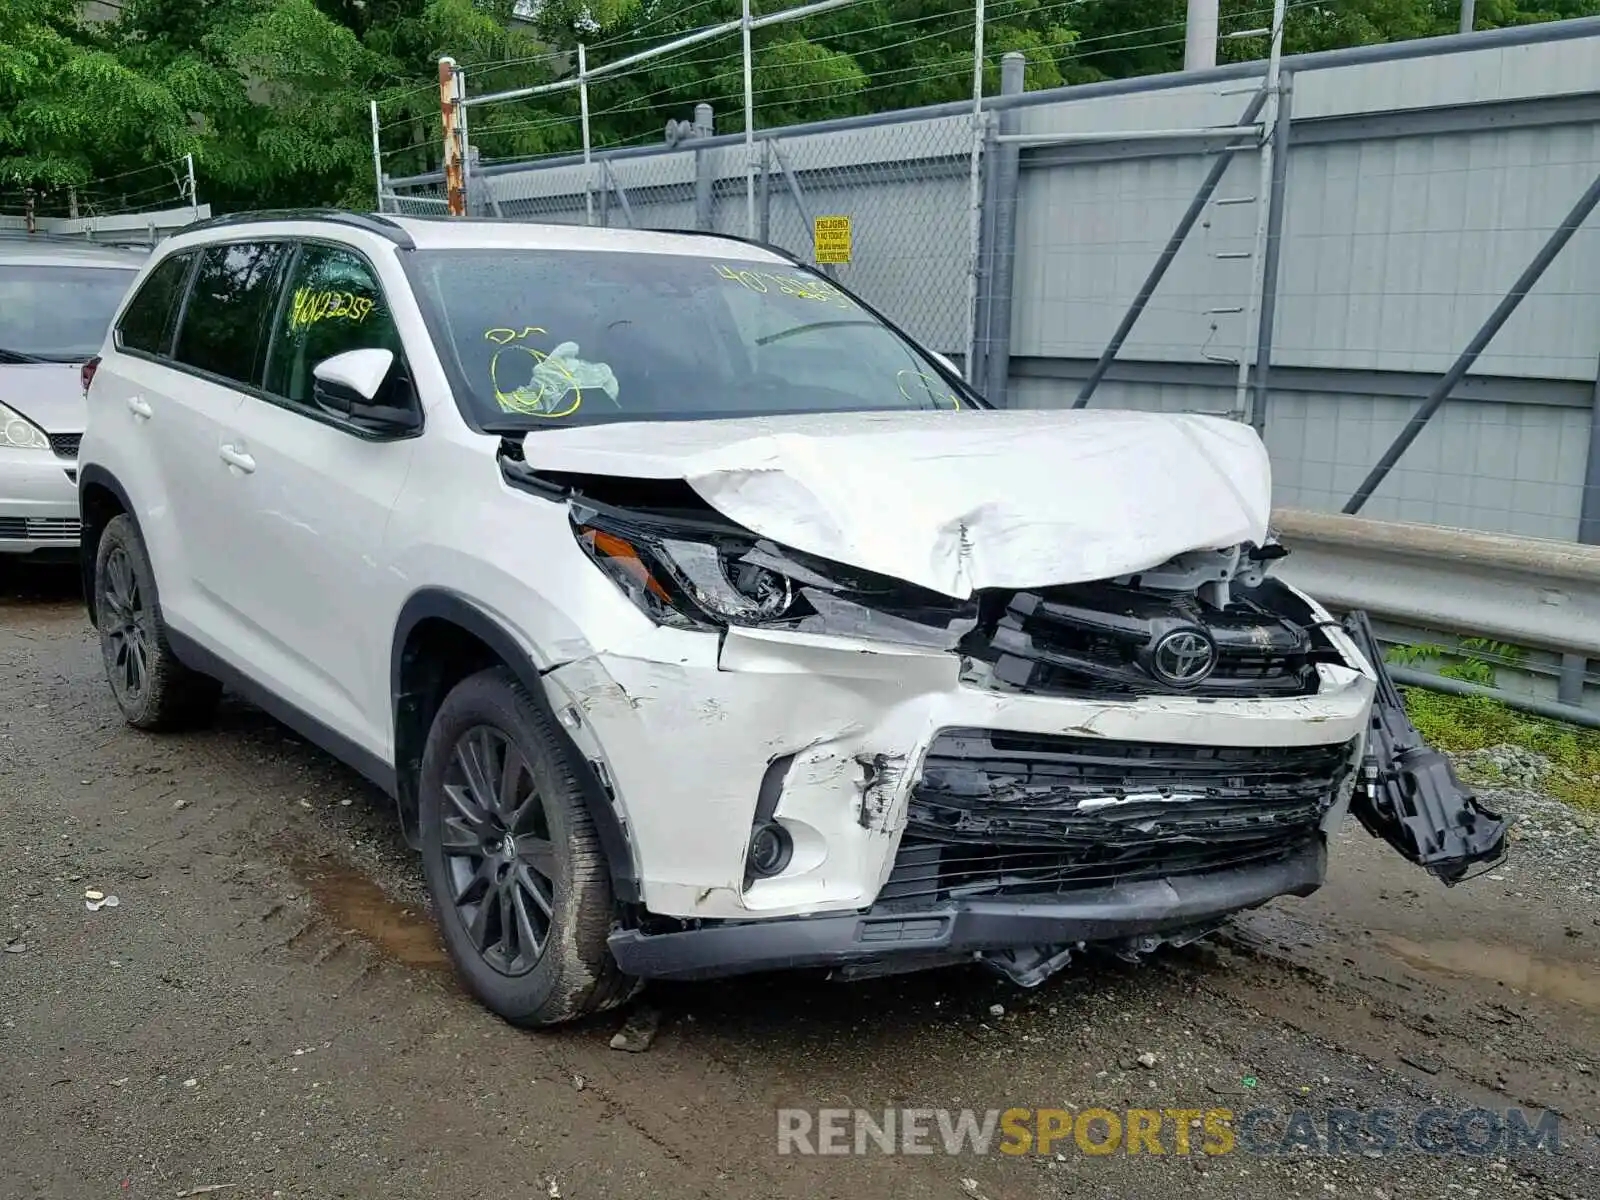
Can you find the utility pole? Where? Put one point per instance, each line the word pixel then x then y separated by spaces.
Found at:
pixel 1467 14
pixel 1200 35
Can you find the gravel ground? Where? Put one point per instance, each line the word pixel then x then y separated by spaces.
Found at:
pixel 266 1011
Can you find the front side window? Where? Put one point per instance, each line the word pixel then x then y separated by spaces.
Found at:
pixel 58 313
pixel 147 323
pixel 334 304
pixel 224 328
pixel 540 338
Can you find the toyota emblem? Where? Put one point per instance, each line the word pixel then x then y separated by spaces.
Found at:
pixel 1183 657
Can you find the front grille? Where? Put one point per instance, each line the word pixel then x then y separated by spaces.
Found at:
pixel 39 528
pixel 1000 814
pixel 65 444
pixel 1099 639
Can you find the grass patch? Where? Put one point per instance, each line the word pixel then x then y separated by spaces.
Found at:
pixel 1464 723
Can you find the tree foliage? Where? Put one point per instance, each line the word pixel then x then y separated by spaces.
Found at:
pixel 271 96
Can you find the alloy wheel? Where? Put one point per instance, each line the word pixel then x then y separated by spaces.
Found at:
pixel 124 624
pixel 498 854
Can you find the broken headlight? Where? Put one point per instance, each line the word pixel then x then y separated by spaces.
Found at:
pixel 691 575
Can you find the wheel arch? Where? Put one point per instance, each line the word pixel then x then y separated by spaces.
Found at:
pixel 441 638
pixel 101 497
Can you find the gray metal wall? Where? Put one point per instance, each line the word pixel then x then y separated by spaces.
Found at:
pixel 1421 179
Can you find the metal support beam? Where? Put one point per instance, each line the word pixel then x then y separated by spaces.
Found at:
pixel 1258 248
pixel 1531 275
pixel 995 358
pixel 807 217
pixel 1202 197
pixel 704 127
pixel 1273 254
pixel 766 192
pixel 622 196
pixel 1086 136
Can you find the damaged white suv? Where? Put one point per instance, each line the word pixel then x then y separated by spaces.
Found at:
pixel 700 622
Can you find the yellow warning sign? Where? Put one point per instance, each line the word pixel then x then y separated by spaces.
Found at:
pixel 830 238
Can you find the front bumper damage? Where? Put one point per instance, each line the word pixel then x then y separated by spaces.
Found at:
pixel 937 821
pixel 962 765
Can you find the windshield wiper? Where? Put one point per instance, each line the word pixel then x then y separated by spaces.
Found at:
pixel 17 356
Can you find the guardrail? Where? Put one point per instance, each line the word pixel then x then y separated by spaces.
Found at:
pixel 1536 594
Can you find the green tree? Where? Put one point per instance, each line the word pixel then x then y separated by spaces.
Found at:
pixel 72 110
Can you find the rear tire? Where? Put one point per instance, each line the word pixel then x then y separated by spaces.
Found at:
pixel 512 860
pixel 152 688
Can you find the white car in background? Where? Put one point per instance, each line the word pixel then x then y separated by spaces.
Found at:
pixel 57 297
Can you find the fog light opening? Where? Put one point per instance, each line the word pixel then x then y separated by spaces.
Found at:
pixel 771 848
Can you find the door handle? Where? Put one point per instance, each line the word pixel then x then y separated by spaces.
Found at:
pixel 140 407
pixel 235 458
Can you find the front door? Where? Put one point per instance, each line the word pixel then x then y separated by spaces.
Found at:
pixel 317 491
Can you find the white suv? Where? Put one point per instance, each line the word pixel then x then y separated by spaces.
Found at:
pixel 700 622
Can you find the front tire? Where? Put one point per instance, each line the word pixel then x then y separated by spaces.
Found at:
pixel 152 688
pixel 512 860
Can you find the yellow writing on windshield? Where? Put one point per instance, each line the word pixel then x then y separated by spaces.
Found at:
pixel 311 305
pixel 555 380
pixel 802 287
pixel 923 387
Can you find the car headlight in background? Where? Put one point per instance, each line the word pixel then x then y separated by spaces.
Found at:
pixel 691 575
pixel 19 433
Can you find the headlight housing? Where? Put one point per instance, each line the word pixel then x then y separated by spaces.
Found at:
pixel 19 433
pixel 699 575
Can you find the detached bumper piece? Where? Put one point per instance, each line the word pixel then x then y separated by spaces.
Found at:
pixel 1410 795
pixel 1021 848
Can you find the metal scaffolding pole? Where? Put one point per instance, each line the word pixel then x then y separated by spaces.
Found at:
pixel 975 199
pixel 749 128
pixel 583 111
pixel 377 158
pixel 1258 258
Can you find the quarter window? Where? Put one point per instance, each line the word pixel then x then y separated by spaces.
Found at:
pixel 224 327
pixel 333 305
pixel 147 323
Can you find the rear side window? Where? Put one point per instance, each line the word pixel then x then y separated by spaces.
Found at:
pixel 147 323
pixel 224 328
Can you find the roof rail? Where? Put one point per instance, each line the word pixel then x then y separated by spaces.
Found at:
pixel 371 222
pixel 771 248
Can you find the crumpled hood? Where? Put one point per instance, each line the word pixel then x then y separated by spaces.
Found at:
pixel 955 501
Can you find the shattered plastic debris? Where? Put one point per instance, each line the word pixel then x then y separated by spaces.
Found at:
pixel 16 948
pixel 94 900
pixel 1147 1060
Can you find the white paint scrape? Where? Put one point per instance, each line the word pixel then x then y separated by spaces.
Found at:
pixel 955 501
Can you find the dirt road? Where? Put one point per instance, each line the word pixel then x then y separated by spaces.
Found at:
pixel 267 1008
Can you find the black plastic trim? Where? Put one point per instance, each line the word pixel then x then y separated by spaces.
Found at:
pixel 91 475
pixel 370 222
pixel 952 931
pixel 358 758
pixel 436 603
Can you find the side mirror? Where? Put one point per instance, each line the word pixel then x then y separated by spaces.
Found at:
pixel 348 384
pixel 361 372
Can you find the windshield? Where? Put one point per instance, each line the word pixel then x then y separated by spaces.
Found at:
pixel 58 314
pixel 538 339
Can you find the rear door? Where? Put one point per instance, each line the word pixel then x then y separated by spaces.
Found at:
pixel 316 499
pixel 218 354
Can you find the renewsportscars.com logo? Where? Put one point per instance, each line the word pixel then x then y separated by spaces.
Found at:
pixel 1166 1131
